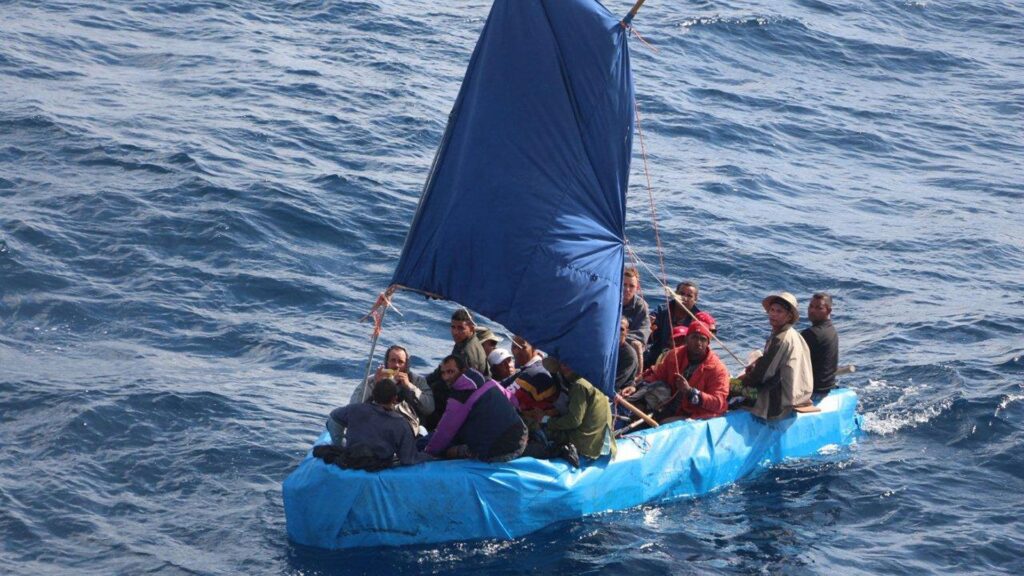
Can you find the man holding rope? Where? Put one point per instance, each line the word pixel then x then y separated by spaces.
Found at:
pixel 699 379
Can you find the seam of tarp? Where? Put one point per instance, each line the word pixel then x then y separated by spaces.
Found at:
pixel 538 246
pixel 576 113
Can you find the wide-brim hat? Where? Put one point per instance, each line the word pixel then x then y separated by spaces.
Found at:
pixel 786 298
pixel 485 334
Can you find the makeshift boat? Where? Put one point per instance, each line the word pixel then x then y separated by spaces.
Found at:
pixel 328 507
pixel 522 220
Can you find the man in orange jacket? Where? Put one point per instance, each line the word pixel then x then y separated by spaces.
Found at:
pixel 697 375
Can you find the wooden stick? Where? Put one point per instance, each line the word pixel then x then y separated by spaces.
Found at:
pixel 636 8
pixel 629 428
pixel 626 403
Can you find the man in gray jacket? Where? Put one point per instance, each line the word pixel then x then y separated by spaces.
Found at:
pixel 416 399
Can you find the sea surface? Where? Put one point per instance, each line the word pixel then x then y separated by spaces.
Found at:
pixel 200 200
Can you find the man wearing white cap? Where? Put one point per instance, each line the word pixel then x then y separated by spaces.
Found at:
pixel 502 364
pixel 783 375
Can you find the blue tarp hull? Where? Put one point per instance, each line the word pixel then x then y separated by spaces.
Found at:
pixel 328 507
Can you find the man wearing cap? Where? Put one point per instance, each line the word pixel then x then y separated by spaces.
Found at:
pixel 502 364
pixel 416 397
pixel 697 375
pixel 782 376
pixel 670 315
pixel 823 343
pixel 488 340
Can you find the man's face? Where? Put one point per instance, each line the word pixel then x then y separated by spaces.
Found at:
pixel 450 372
pixel 488 346
pixel 696 344
pixel 623 330
pixel 778 315
pixel 502 370
pixel 521 351
pixel 461 331
pixel 817 310
pixel 629 289
pixel 397 360
pixel 688 295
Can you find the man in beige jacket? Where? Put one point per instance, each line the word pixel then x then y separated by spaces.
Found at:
pixel 782 376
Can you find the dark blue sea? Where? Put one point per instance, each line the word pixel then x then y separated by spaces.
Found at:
pixel 200 200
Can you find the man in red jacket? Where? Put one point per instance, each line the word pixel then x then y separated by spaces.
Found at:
pixel 697 374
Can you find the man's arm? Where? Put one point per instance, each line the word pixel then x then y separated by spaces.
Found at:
pixel 573 417
pixel 454 417
pixel 715 396
pixel 755 377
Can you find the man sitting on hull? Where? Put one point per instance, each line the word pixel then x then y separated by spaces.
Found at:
pixel 698 377
pixel 823 344
pixel 371 435
pixel 782 375
pixel 586 425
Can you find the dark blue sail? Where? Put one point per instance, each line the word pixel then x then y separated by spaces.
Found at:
pixel 522 217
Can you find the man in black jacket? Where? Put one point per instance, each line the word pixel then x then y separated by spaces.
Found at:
pixel 823 342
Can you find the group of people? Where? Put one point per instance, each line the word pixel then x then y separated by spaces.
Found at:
pixel 481 402
pixel 685 378
pixel 492 404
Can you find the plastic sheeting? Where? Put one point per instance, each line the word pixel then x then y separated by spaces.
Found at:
pixel 328 507
pixel 523 215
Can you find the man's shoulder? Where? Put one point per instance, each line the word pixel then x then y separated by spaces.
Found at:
pixel 714 362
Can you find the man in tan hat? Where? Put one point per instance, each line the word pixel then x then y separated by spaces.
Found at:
pixel 782 376
pixel 488 339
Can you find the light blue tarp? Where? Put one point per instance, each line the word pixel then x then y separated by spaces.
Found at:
pixel 328 507
pixel 522 218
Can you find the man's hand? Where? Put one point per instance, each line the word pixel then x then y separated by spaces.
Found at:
pixel 402 379
pixel 628 391
pixel 683 385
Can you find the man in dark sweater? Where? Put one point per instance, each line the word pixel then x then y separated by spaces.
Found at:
pixel 823 343
pixel 670 315
pixel 374 435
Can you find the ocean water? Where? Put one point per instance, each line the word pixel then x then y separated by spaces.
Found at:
pixel 200 200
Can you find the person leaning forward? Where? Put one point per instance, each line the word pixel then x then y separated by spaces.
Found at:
pixel 372 435
pixel 782 376
pixel 587 423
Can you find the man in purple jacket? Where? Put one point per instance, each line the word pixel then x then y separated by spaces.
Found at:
pixel 479 422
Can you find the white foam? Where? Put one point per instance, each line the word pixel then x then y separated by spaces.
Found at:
pixel 891 422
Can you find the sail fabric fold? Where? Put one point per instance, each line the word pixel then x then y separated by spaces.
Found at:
pixel 523 216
